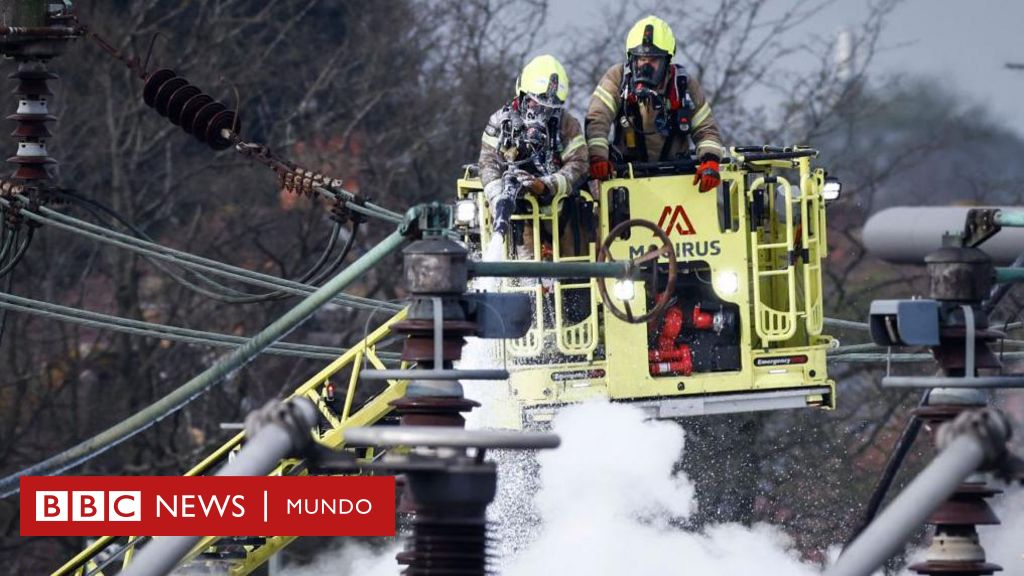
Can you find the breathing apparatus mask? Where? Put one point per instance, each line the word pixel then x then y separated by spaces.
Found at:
pixel 648 55
pixel 537 110
pixel 648 70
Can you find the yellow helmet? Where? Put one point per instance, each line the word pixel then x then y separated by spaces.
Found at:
pixel 650 36
pixel 544 79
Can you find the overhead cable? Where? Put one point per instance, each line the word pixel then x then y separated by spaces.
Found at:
pixel 162 331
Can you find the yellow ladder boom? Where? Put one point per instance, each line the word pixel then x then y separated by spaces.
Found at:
pixel 237 557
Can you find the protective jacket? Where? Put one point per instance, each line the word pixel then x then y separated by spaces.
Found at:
pixel 687 116
pixel 562 165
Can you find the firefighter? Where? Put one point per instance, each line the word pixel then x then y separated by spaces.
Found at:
pixel 532 145
pixel 656 108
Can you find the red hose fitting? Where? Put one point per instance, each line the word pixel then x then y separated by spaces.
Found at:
pixel 680 361
pixel 673 324
pixel 668 354
pixel 702 320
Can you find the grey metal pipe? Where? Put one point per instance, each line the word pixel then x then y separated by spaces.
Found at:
pixel 914 381
pixel 1003 381
pixel 552 269
pixel 1010 218
pixel 1008 275
pixel 449 437
pixel 933 486
pixel 905 234
pixel 848 324
pixel 467 374
pixel 276 433
pixel 1000 290
pixel 226 365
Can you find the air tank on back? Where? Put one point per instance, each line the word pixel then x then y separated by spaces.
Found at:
pixel 906 234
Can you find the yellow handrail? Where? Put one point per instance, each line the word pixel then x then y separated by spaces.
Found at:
pixel 771 324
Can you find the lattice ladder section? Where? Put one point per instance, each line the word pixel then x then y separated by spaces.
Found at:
pixel 237 556
pixel 774 324
pixel 814 241
pixel 532 344
pixel 580 338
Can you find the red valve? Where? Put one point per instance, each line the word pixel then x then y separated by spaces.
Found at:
pixel 702 320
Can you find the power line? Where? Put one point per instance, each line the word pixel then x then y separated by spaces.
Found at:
pixel 849 324
pixel 185 259
pixel 900 358
pixel 220 370
pixel 315 275
pixel 165 332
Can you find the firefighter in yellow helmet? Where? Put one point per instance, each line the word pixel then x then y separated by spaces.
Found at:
pixel 655 107
pixel 532 145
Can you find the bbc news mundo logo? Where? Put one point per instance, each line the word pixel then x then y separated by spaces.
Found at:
pixel 207 505
pixel 88 506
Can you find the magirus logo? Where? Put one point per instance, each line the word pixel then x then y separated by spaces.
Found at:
pixel 675 221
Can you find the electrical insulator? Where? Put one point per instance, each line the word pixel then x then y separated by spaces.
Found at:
pixel 31 132
pixel 187 106
pixel 302 181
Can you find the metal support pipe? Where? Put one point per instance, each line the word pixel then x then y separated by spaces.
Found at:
pixel 1000 290
pixel 553 269
pixel 40 31
pixel 905 515
pixel 970 441
pixel 422 374
pixel 1010 218
pixel 226 365
pixel 1006 274
pixel 275 432
pixel 1004 381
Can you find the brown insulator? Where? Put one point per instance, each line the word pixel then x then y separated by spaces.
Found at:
pixel 32 159
pixel 153 84
pixel 189 110
pixel 33 82
pixel 419 345
pixel 442 544
pixel 201 120
pixel 225 120
pixel 163 95
pixel 955 548
pixel 433 410
pixel 176 103
pixel 187 106
pixel 966 506
pixel 302 181
pixel 8 188
pixel 449 530
pixel 30 129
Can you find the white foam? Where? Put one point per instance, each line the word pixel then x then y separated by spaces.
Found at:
pixel 610 503
pixel 350 559
pixel 1004 544
pixel 495 250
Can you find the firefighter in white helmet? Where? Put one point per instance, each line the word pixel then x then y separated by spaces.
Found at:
pixel 532 145
pixel 655 107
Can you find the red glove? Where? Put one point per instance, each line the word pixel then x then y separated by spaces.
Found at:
pixel 707 174
pixel 600 168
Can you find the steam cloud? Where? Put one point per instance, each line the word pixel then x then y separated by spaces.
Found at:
pixel 611 503
pixel 1004 544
